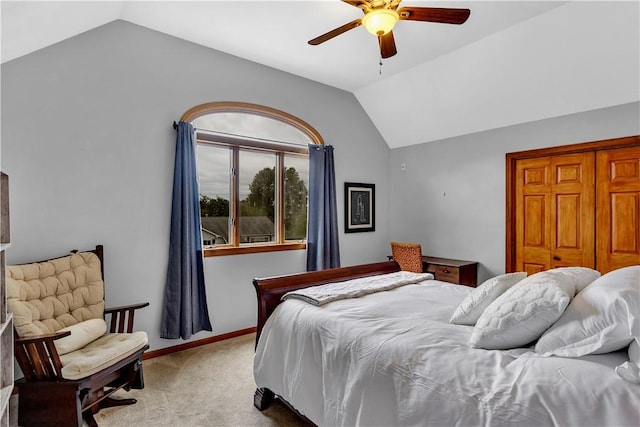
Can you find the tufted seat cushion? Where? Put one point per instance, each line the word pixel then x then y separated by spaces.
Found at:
pixel 45 297
pixel 103 352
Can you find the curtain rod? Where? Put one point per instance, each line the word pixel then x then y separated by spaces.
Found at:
pixel 232 135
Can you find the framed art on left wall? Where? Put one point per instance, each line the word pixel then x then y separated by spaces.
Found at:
pixel 359 207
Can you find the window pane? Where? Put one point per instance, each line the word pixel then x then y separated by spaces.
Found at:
pixel 215 193
pixel 257 195
pixel 296 184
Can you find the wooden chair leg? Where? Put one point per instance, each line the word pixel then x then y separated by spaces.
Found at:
pixel 107 402
pixel 89 418
pixel 111 402
pixel 263 398
pixel 138 377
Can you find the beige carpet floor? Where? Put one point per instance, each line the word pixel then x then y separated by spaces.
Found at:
pixel 211 385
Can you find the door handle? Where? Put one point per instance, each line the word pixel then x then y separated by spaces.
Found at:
pixel 556 258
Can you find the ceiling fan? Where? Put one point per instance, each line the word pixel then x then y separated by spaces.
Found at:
pixel 381 15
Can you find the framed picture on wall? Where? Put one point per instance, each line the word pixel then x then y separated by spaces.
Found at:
pixel 359 207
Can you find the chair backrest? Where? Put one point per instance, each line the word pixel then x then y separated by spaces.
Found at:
pixel 408 256
pixel 47 296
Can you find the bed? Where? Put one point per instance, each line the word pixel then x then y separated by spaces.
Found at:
pixel 392 357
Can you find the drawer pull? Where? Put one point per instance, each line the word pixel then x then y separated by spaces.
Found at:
pixel 444 270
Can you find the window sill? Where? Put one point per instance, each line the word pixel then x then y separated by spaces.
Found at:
pixel 252 249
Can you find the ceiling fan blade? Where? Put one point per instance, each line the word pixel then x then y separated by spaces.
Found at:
pixel 336 32
pixel 354 3
pixel 387 45
pixel 434 14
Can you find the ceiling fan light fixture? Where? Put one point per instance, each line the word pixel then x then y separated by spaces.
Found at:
pixel 380 21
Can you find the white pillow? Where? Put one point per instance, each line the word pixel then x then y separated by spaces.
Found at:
pixel 630 371
pixel 600 319
pixel 474 304
pixel 521 314
pixel 584 276
pixel 81 334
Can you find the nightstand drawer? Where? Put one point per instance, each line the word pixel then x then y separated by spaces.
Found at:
pixel 451 270
pixel 447 274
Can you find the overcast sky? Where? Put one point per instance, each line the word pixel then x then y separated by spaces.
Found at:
pixel 213 162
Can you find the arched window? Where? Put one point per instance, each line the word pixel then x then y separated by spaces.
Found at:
pixel 253 176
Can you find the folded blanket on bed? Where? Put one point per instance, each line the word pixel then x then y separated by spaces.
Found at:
pixel 322 294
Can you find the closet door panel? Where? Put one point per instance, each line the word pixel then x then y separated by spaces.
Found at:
pixel 567 222
pixel 618 208
pixel 533 215
pixel 624 213
pixel 572 234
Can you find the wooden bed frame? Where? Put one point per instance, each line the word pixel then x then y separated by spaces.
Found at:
pixel 270 290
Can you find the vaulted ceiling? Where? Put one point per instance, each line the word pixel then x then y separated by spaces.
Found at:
pixel 511 62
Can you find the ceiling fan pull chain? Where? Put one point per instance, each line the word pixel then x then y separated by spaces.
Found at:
pixel 380 66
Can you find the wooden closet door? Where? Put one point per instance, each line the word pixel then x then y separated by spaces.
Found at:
pixel 554 212
pixel 618 208
pixel 533 214
pixel 573 198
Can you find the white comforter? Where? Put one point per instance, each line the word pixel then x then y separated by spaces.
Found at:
pixel 354 288
pixel 392 359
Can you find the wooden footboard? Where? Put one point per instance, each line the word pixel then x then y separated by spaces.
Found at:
pixel 270 290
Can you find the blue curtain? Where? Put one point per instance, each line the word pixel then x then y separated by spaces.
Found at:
pixel 322 230
pixel 185 304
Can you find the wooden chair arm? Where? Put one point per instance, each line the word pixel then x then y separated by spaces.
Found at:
pixel 126 307
pixel 45 337
pixel 38 357
pixel 121 315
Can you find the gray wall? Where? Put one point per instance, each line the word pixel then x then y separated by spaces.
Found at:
pixel 453 191
pixel 88 145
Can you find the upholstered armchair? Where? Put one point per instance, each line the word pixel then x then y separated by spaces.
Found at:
pixel 71 359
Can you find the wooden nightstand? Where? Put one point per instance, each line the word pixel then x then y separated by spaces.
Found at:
pixel 451 270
